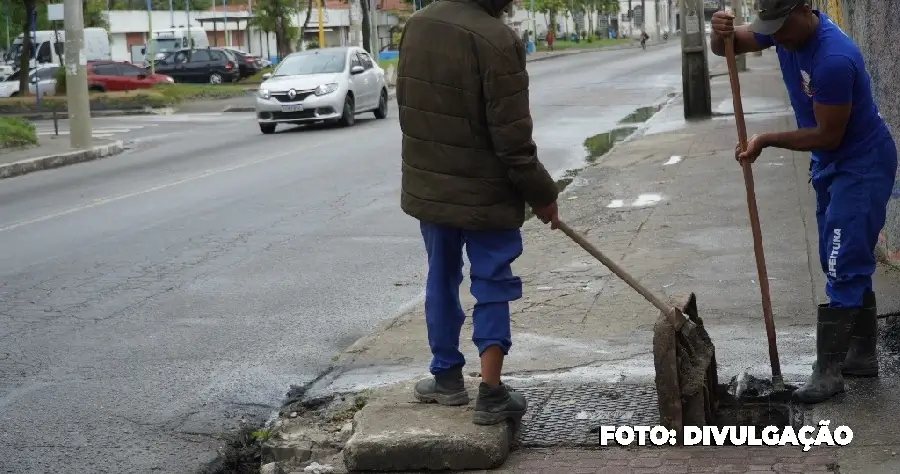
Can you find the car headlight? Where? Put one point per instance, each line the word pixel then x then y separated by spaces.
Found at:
pixel 326 89
pixel 264 93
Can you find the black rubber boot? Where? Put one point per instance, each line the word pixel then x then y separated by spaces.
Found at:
pixel 496 405
pixel 862 358
pixel 446 388
pixel 833 331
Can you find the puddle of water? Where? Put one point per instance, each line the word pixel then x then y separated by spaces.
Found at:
pixel 598 145
pixel 642 114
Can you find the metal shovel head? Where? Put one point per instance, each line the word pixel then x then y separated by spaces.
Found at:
pixel 686 373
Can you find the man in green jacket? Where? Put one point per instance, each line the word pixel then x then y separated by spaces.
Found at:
pixel 470 167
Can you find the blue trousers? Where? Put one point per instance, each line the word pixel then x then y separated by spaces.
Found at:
pixel 493 285
pixel 851 207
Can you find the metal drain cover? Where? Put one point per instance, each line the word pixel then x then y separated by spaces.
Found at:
pixel 571 415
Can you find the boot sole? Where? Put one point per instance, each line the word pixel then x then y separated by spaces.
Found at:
pixel 862 373
pixel 450 400
pixel 483 418
pixel 814 400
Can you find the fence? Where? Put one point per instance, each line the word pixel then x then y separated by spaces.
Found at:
pixel 875 28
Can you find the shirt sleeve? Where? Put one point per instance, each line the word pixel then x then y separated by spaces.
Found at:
pixel 765 41
pixel 833 79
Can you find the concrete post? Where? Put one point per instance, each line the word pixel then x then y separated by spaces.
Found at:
pixel 737 7
pixel 356 36
pixel 756 12
pixel 80 134
pixel 694 62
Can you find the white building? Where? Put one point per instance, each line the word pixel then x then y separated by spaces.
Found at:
pixel 660 19
pixel 129 30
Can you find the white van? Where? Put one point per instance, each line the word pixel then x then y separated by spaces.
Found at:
pixel 49 47
pixel 173 39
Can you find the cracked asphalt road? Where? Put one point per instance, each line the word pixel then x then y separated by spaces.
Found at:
pixel 150 301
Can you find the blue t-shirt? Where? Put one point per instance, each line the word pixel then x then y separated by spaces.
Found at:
pixel 829 69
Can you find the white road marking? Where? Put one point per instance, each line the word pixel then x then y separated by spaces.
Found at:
pixel 206 174
pixel 673 160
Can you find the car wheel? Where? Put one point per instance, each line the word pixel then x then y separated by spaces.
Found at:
pixel 96 89
pixel 267 128
pixel 215 78
pixel 382 110
pixel 348 118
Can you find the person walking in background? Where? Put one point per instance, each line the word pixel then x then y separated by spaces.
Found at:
pixel 550 40
pixel 469 166
pixel 853 168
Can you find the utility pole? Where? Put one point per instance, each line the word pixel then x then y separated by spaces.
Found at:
pixel 225 22
pixel 738 9
pixel 80 135
pixel 187 15
pixel 356 23
pixel 321 23
pixel 151 53
pixel 172 13
pixel 694 63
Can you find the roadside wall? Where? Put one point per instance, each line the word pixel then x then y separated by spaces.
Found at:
pixel 875 27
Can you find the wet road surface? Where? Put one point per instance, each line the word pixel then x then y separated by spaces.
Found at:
pixel 152 300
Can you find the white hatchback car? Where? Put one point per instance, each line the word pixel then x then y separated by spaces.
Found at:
pixel 41 80
pixel 329 84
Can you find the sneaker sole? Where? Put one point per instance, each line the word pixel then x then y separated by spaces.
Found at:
pixel 814 400
pixel 450 400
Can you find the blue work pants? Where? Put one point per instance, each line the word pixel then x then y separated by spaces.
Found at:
pixel 491 253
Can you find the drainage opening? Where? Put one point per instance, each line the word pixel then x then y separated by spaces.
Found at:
pixel 642 114
pixel 759 412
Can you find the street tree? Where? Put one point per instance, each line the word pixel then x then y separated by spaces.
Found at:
pixel 275 16
pixel 550 9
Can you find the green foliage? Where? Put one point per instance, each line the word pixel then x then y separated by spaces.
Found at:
pixel 276 16
pixel 165 95
pixel 61 81
pixel 16 132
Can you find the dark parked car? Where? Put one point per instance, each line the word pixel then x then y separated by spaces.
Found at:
pixel 248 63
pixel 201 65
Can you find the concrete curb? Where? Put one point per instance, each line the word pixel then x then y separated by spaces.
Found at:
pixel 392 93
pixel 593 50
pixel 19 168
pixel 64 115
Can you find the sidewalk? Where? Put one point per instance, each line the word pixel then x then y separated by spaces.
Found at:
pixel 670 206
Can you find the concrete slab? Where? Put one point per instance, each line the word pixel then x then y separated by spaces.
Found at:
pixel 396 433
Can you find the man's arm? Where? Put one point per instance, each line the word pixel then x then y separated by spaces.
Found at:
pixel 509 121
pixel 745 41
pixel 832 83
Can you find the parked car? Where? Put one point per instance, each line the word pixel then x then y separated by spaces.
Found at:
pixel 202 65
pixel 108 76
pixel 247 63
pixel 40 80
pixel 331 84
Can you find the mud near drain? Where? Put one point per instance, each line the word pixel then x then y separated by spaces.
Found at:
pixel 642 114
pixel 600 144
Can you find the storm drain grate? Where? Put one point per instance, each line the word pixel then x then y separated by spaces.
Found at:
pixel 571 415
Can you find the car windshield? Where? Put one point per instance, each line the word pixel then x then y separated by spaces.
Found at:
pixel 14 52
pixel 312 63
pixel 163 45
pixel 14 77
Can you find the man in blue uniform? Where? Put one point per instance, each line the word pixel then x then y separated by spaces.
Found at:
pixel 854 163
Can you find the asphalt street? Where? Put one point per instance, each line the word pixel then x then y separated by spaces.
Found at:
pixel 151 301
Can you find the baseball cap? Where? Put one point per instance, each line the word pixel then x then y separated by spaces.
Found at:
pixel 772 14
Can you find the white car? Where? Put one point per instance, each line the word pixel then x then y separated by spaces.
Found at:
pixel 41 80
pixel 329 84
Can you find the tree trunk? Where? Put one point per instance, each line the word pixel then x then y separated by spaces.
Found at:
pixel 366 26
pixel 309 7
pixel 25 57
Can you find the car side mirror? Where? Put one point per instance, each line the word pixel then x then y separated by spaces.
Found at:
pixel 267 76
pixel 357 70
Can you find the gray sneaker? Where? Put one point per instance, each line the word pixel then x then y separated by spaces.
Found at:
pixel 496 405
pixel 446 388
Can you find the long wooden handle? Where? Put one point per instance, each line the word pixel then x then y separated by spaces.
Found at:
pixel 615 268
pixel 747 166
